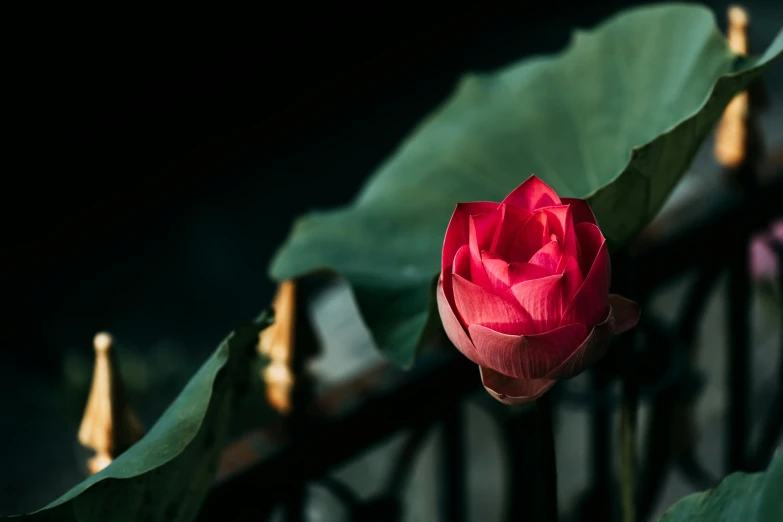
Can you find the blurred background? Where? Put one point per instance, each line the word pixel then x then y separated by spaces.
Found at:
pixel 156 159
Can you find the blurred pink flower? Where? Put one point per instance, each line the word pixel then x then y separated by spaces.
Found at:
pixel 763 259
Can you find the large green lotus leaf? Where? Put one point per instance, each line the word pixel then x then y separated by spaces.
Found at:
pixel 740 497
pixel 166 475
pixel 616 119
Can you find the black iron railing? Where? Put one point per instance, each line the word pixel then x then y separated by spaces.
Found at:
pixel 661 374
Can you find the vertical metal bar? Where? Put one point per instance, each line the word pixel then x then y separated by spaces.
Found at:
pixel 452 494
pixel 625 283
pixel 738 152
pixel 628 413
pixel 772 427
pixel 547 460
pixel 598 502
pixel 522 454
pixel 306 345
pixel 655 458
pixel 657 463
pixel 601 455
pixel 738 367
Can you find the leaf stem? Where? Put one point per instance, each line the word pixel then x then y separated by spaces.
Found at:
pixel 547 460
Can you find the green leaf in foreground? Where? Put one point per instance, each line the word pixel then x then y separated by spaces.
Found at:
pixel 616 118
pixel 740 497
pixel 166 475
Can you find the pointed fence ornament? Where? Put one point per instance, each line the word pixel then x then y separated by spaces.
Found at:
pixel 731 136
pixel 277 343
pixel 109 425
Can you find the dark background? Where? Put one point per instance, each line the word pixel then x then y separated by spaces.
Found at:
pixel 156 160
pixel 165 155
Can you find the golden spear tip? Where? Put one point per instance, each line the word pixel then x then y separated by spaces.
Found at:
pixel 732 132
pixel 738 16
pixel 737 32
pixel 109 425
pixel 277 343
pixel 102 342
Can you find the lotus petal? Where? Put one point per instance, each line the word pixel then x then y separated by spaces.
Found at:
pixel 532 194
pixel 626 313
pixel 475 305
pixel 591 350
pixel 548 257
pixel 588 305
pixel 511 391
pixel 580 211
pixel 457 234
pixel 526 356
pixel 503 275
pixel 543 300
pixel 481 228
pixel 454 330
pixel 511 222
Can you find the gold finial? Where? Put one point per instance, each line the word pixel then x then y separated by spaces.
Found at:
pixel 731 139
pixel 277 343
pixel 109 425
pixel 738 29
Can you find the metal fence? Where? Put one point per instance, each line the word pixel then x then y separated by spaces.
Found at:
pixel 654 362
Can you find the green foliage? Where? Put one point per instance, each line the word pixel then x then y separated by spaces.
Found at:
pixel 166 475
pixel 740 497
pixel 616 119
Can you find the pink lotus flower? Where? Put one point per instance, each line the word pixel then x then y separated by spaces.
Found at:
pixel 524 290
